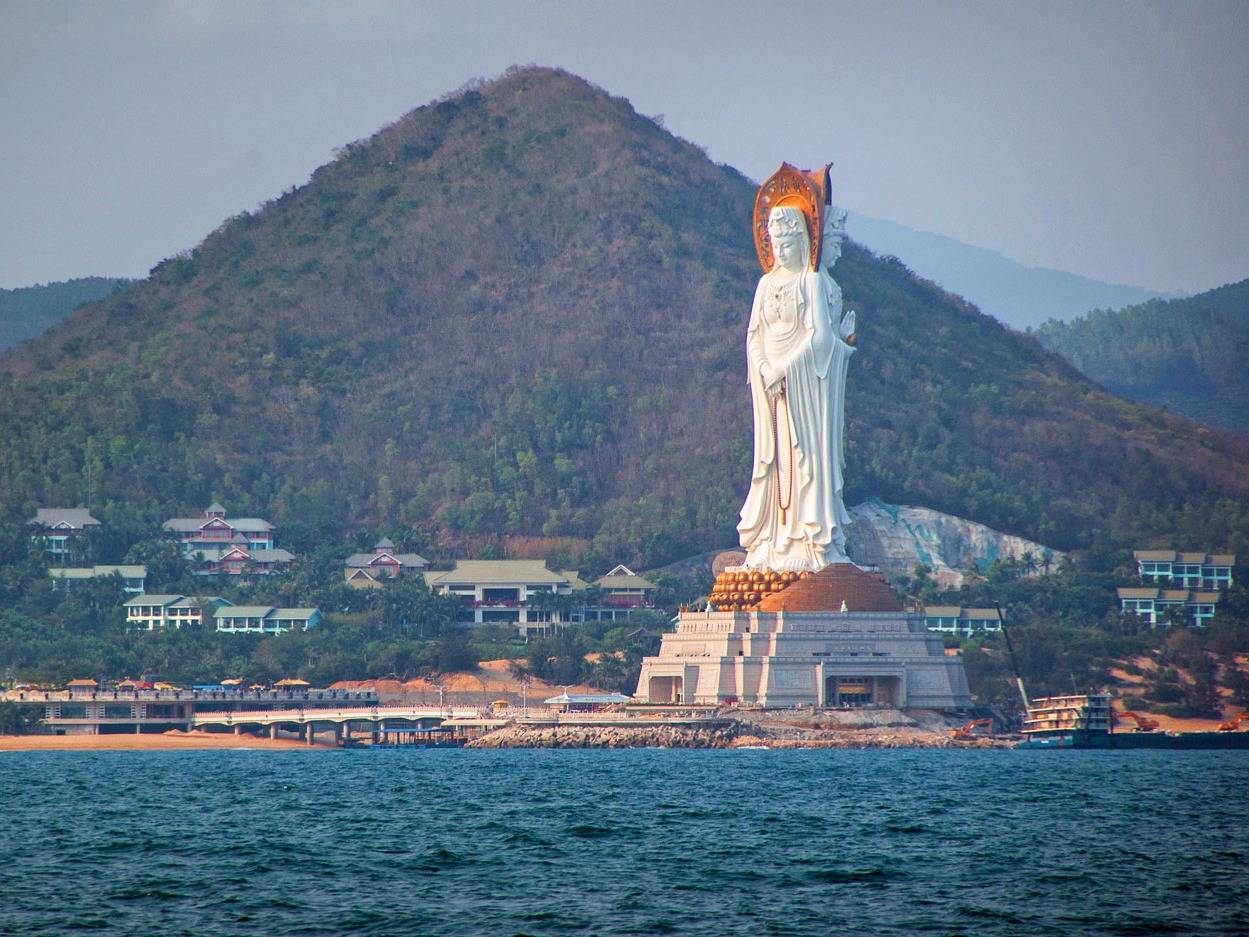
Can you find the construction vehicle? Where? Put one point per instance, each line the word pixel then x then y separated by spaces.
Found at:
pixel 1233 724
pixel 1143 723
pixel 965 733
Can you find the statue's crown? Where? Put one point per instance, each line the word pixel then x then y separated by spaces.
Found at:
pixel 804 189
pixel 780 225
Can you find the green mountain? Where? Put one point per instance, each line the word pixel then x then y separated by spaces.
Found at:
pixel 31 310
pixel 521 311
pixel 1186 354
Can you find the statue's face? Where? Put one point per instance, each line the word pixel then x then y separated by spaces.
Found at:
pixel 788 241
pixel 787 251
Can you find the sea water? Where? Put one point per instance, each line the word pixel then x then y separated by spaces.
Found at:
pixel 624 842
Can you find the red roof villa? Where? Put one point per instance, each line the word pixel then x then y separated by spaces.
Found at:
pixel 229 546
pixel 367 570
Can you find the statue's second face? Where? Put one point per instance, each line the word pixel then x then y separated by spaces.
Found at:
pixel 832 249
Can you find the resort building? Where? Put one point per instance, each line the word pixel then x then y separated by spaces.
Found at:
pixel 1151 603
pixel 87 708
pixel 239 558
pixel 151 612
pixel 509 592
pixel 133 578
pixel 367 570
pixel 955 619
pixel 237 546
pixel 621 591
pixel 265 619
pixel 1186 570
pixel 58 528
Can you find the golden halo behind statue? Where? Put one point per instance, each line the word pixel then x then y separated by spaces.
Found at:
pixel 805 189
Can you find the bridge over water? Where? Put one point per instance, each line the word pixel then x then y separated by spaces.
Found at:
pixel 378 721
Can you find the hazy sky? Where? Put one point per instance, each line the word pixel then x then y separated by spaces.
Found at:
pixel 1108 139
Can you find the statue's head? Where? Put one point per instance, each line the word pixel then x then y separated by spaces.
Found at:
pixel 791 243
pixel 834 235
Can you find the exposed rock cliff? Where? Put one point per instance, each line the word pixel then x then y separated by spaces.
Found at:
pixel 898 537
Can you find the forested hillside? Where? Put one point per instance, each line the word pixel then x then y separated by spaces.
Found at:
pixel 32 310
pixel 1189 355
pixel 520 311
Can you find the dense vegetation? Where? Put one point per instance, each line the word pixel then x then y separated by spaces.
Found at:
pixel 1188 355
pixel 518 312
pixel 32 310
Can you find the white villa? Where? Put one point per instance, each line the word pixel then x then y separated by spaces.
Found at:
pixel 500 592
pixel 134 578
pixel 1150 602
pixel 265 619
pixel 1186 570
pixel 623 590
pixel 955 619
pixel 151 612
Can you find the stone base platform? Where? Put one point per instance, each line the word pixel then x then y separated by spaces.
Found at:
pixel 785 652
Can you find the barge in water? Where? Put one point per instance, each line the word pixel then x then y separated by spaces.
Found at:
pixel 1087 721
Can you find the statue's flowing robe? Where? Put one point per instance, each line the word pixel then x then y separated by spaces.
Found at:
pixel 794 328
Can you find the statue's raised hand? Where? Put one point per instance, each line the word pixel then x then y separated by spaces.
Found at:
pixel 847 327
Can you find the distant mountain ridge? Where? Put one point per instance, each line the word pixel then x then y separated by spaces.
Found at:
pixel 31 310
pixel 1190 355
pixel 520 311
pixel 1014 293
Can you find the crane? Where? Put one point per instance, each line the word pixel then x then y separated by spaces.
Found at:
pixel 1233 724
pixel 1014 664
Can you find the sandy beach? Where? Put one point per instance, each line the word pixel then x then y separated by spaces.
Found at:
pixel 167 741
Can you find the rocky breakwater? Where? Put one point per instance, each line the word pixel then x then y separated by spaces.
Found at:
pixel 856 729
pixel 644 735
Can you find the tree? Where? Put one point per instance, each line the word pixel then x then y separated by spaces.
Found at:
pixel 17 720
pixel 164 561
pixel 1237 681
pixel 453 652
pixel 409 607
pixel 1201 697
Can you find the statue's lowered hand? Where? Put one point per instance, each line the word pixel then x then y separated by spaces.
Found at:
pixel 771 379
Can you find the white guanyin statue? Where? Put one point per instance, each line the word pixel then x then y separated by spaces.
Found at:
pixel 798 345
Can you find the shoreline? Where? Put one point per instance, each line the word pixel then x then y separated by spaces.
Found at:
pixel 165 741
